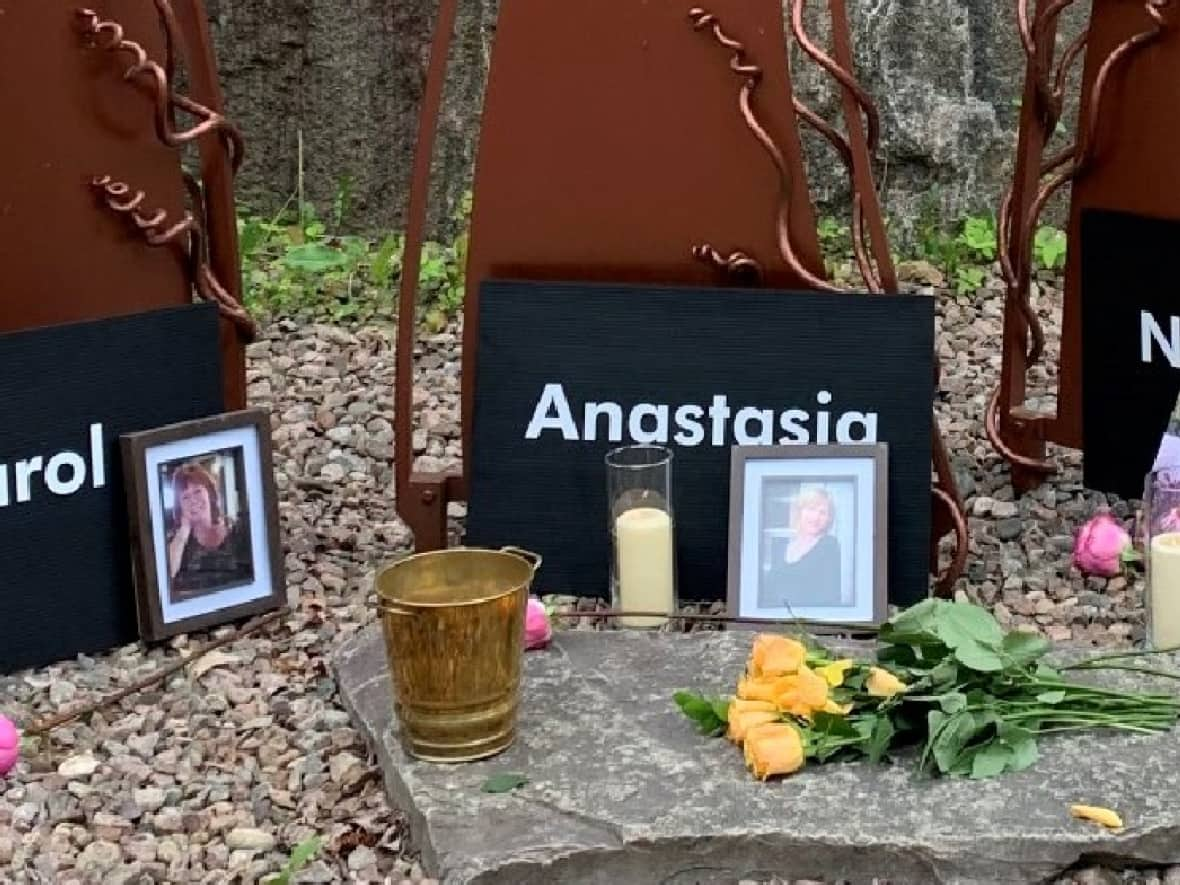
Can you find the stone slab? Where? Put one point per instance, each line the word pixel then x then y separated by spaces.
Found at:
pixel 623 790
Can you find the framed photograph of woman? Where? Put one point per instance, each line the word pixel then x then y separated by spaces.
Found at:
pixel 204 522
pixel 808 537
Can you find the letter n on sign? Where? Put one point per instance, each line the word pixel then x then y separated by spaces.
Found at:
pixel 1130 345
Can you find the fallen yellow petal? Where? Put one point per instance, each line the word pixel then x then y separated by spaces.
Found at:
pixel 834 672
pixel 1103 816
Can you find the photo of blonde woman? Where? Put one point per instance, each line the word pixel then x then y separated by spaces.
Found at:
pixel 804 562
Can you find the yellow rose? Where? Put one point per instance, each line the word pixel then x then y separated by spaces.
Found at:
pixel 883 684
pixel 775 655
pixel 775 748
pixel 743 715
pixel 804 693
pixel 834 672
pixel 761 688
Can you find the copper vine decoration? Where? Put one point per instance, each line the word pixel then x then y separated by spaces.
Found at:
pixel 188 233
pixel 752 75
pixel 740 265
pixel 1016 230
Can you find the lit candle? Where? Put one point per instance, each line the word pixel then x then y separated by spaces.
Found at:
pixel 646 574
pixel 1165 590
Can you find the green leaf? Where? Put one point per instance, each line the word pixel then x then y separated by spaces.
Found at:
pixel 720 709
pixel 1023 744
pixel 1051 697
pixel 973 634
pixel 1047 673
pixel 966 619
pixel 503 783
pixel 953 737
pixel 1024 648
pixel 834 726
pixel 383 262
pixel 303 852
pixel 978 657
pixel 880 738
pixel 990 760
pixel 313 258
pixel 702 711
pixel 300 855
pixel 953 702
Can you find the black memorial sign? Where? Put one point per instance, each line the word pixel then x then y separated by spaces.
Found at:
pixel 1130 345
pixel 699 370
pixel 66 394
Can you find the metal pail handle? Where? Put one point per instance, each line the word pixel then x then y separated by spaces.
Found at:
pixel 535 559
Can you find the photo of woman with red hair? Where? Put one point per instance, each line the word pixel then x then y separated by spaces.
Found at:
pixel 207 526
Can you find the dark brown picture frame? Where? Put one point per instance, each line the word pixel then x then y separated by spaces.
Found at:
pixel 135 448
pixel 878 453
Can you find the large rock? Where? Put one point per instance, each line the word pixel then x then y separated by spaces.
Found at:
pixel 348 74
pixel 622 789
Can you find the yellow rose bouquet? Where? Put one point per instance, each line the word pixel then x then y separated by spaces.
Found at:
pixel 947 679
pixel 794 703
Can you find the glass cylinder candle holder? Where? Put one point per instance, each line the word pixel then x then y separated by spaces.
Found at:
pixel 1161 541
pixel 641 525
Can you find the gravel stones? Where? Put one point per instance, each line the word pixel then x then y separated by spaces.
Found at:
pixel 223 769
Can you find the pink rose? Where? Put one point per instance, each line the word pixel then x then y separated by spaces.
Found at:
pixel 9 745
pixel 1102 547
pixel 537 631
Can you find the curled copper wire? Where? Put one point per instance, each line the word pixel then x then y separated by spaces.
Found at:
pixel 185 234
pixel 846 79
pixel 752 74
pixel 839 142
pixel 109 36
pixel 738 266
pixel 1018 233
pixel 844 149
pixel 945 581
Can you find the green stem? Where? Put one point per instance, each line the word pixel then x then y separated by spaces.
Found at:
pixel 1077 688
pixel 1117 656
pixel 1147 670
pixel 1083 720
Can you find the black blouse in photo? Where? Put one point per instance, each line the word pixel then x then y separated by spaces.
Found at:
pixel 811 581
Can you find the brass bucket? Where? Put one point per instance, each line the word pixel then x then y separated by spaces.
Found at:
pixel 454 635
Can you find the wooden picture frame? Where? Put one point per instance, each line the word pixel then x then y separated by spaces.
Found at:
pixel 203 510
pixel 844 573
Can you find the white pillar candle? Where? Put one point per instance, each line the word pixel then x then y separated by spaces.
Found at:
pixel 1165 590
pixel 646 572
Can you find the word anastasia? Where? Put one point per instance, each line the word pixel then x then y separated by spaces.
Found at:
pixel 649 423
pixel 63 473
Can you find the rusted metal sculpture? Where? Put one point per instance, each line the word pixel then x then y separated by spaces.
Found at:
pixel 1128 130
pixel 694 213
pixel 94 173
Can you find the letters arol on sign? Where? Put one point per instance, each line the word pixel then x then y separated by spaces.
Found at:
pixel 648 423
pixel 62 474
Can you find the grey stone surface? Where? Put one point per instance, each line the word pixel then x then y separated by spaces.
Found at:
pixel 946 75
pixel 622 789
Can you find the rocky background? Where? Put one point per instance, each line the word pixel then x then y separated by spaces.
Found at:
pixel 343 79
